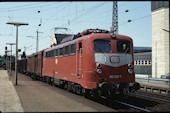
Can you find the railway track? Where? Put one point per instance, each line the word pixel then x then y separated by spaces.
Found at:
pixel 123 104
pixel 133 106
pixel 137 102
pixel 152 96
pixel 140 101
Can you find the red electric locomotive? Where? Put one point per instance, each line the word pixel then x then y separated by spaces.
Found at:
pixel 91 62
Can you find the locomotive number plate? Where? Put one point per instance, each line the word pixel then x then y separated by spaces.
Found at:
pixel 114 59
pixel 115 76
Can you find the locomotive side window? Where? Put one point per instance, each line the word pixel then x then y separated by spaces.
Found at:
pixel 56 52
pixel 49 53
pixel 66 50
pixel 123 46
pixel 61 51
pixel 102 46
pixel 52 53
pixel 46 55
pixel 73 48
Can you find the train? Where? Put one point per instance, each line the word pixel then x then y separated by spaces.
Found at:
pixel 91 62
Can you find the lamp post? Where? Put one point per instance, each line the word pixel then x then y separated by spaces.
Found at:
pixel 7 63
pixel 16 58
pixel 10 56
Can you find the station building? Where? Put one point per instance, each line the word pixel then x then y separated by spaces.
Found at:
pixel 160 38
pixel 143 61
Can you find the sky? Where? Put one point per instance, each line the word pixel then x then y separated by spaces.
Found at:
pixel 76 16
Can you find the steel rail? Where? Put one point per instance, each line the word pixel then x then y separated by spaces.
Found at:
pixel 132 106
pixel 151 96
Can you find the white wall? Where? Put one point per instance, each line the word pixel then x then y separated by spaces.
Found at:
pixel 160 42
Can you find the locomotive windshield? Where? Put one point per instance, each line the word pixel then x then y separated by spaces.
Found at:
pixel 123 46
pixel 102 46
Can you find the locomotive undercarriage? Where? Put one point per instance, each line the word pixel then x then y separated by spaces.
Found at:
pixel 103 89
pixel 109 89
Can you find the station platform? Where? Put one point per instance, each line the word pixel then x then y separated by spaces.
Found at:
pixel 9 99
pixel 156 84
pixel 155 87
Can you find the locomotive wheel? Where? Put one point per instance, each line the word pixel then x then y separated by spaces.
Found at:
pixel 49 80
pixel 74 88
pixel 86 93
pixel 44 79
pixel 66 86
pixel 35 77
pixel 40 78
pixel 52 81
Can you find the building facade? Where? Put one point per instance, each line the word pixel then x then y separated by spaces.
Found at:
pixel 160 38
pixel 143 61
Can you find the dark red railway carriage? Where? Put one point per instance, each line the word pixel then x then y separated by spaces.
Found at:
pixel 34 64
pixel 22 65
pixel 30 64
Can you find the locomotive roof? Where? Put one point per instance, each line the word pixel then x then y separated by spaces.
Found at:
pixel 61 38
pixel 36 53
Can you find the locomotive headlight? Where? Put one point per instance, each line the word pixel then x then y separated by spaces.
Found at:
pixel 130 65
pixel 130 71
pixel 99 71
pixel 99 66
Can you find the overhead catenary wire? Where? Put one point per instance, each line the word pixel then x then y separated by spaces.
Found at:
pixel 133 9
pixel 24 8
pixel 78 18
pixel 45 20
pixel 85 13
pixel 21 6
pixel 81 21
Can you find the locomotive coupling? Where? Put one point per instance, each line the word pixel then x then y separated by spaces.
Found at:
pixel 104 86
pixel 107 88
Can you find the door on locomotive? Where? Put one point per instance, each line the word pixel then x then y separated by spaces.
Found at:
pixel 79 60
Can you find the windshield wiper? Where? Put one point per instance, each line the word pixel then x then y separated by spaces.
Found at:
pixel 126 50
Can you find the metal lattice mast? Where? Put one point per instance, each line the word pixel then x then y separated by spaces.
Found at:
pixel 114 28
pixel 37 41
